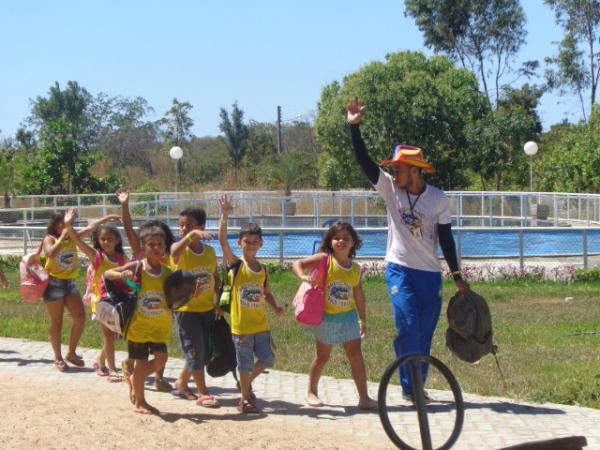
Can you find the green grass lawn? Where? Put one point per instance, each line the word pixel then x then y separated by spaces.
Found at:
pixel 531 324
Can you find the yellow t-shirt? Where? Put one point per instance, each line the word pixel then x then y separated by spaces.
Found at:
pixel 105 265
pixel 248 315
pixel 339 295
pixel 65 263
pixel 203 265
pixel 152 318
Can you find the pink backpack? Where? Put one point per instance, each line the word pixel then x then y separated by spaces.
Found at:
pixel 34 278
pixel 309 301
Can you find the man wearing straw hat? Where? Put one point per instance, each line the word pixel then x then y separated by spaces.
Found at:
pixel 418 216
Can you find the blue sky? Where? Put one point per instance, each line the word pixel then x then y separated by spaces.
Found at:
pixel 260 53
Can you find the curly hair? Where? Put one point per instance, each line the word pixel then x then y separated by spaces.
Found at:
pixel 198 214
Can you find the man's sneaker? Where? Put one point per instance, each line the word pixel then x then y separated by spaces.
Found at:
pixel 409 397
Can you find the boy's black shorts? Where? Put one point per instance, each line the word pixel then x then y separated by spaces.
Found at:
pixel 138 350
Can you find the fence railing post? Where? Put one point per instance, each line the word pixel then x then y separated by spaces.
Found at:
pixel 281 247
pixel 521 249
pixel 24 232
pixel 585 248
pixel 352 211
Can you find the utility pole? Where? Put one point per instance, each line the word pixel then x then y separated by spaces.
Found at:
pixel 279 130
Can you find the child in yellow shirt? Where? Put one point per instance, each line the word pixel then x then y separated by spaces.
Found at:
pixel 150 327
pixel 249 325
pixel 195 319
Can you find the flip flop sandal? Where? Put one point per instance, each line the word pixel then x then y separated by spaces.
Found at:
pixel 185 394
pixel 208 401
pixel 60 365
pixel 76 360
pixel 245 407
pixel 162 386
pixel 100 371
pixel 114 378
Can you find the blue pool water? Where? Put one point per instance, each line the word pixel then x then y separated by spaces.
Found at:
pixel 474 244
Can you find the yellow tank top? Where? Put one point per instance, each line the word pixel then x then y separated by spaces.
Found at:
pixel 339 295
pixel 203 265
pixel 65 263
pixel 248 315
pixel 103 267
pixel 152 318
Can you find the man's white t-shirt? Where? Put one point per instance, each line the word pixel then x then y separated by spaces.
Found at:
pixel 412 231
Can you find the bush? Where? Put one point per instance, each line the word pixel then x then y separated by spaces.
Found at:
pixel 587 275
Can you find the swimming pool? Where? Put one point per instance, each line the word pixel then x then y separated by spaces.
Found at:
pixel 473 244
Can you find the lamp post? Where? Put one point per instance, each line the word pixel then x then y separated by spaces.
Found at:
pixel 176 153
pixel 530 148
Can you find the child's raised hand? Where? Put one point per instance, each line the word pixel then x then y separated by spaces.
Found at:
pixel 122 195
pixel 356 110
pixel 70 216
pixel 201 235
pixel 226 204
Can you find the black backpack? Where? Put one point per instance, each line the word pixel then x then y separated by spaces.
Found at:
pixel 116 311
pixel 220 350
pixel 469 335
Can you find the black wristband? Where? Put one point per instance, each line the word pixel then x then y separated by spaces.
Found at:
pixel 456 275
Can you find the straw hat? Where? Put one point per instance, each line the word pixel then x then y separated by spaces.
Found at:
pixel 408 155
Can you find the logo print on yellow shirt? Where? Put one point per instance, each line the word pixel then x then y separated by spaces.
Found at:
pixel 250 295
pixel 340 294
pixel 65 260
pixel 151 304
pixel 204 278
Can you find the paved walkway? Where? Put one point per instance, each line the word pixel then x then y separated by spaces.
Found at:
pixel 490 423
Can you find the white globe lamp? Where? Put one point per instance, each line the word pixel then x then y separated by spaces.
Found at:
pixel 530 148
pixel 176 153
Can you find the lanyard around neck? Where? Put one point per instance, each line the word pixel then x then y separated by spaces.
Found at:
pixel 412 205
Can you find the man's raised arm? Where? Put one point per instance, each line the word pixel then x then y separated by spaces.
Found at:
pixel 356 111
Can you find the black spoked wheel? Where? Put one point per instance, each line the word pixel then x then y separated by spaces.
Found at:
pixel 414 362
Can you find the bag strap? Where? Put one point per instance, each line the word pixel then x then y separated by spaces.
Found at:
pixel 322 271
pixel 38 252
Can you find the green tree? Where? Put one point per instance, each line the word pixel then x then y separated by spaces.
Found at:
pixel 125 135
pixel 576 68
pixel 410 99
pixel 292 170
pixel 7 170
pixel 71 105
pixel 570 157
pixel 61 166
pixel 178 123
pixel 496 140
pixel 484 35
pixel 236 133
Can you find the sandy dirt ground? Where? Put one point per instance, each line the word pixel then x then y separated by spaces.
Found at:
pixel 45 414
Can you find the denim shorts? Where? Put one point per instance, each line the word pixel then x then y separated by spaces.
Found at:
pixel 59 289
pixel 141 350
pixel 194 329
pixel 247 347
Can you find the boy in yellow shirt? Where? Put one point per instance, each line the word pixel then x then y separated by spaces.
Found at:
pixel 249 325
pixel 150 327
pixel 195 318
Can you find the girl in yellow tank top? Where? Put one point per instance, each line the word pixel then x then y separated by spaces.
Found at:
pixel 345 314
pixel 105 253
